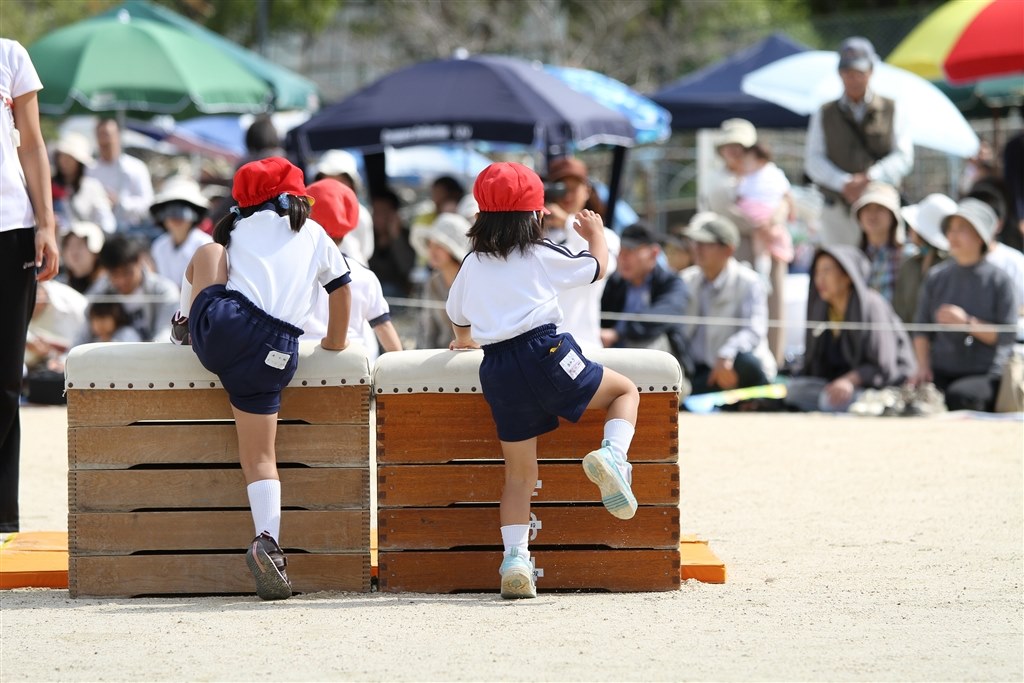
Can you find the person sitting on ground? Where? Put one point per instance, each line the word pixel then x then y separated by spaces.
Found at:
pixel 1002 256
pixel 178 209
pixel 924 230
pixel 341 166
pixel 80 253
pixel 77 196
pixel 970 292
pixel 150 299
pixel 58 320
pixel 732 355
pixel 581 306
pixel 393 256
pixel 877 212
pixel 839 364
pixel 641 285
pixel 109 322
pixel 678 250
pixel 443 245
pixel 125 178
pixel 336 209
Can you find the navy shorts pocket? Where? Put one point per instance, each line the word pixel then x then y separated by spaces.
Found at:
pixel 563 364
pixel 274 365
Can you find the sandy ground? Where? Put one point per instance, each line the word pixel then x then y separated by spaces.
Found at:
pixel 857 549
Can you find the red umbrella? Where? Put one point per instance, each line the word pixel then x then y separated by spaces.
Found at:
pixel 991 44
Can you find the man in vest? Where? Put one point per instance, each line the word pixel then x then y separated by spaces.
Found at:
pixel 733 354
pixel 856 139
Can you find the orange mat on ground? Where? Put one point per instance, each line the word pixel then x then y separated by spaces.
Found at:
pixel 698 562
pixel 34 559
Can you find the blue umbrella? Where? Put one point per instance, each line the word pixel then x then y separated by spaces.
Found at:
pixel 707 97
pixel 652 122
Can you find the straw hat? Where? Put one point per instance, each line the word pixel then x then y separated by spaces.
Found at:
pixel 926 217
pixel 76 146
pixel 449 230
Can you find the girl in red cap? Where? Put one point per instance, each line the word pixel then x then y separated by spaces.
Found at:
pixel 505 300
pixel 255 287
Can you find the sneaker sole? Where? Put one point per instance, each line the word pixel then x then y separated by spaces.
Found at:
pixel 517 584
pixel 616 497
pixel 270 585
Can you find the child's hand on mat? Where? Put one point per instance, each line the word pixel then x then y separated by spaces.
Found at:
pixel 330 345
pixel 457 345
pixel 588 223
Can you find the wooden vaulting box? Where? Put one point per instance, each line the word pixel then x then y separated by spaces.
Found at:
pixel 440 474
pixel 157 500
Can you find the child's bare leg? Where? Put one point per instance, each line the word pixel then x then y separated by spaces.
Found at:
pixel 619 396
pixel 256 436
pixel 520 480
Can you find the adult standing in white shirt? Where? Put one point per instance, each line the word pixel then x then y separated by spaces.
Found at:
pixel 860 137
pixel 581 306
pixel 125 178
pixel 28 249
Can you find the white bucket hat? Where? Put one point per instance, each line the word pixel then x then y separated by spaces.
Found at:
pixel 926 217
pixel 76 146
pixel 736 131
pixel 181 189
pixel 335 162
pixel 884 195
pixel 449 230
pixel 980 215
pixel 90 232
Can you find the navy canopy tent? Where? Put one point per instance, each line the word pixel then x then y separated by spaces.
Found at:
pixel 707 97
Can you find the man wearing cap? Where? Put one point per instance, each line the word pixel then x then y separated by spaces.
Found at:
pixel 341 165
pixel 856 139
pixel 125 178
pixel 735 354
pixel 969 292
pixel 643 286
pixel 580 306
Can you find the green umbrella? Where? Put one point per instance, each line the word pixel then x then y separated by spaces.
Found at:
pixel 291 91
pixel 121 64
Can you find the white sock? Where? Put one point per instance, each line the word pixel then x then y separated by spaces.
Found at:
pixel 516 536
pixel 619 434
pixel 265 503
pixel 185 302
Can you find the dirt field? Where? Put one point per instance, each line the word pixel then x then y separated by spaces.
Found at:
pixel 858 549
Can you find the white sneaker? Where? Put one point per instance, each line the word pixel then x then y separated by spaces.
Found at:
pixel 616 494
pixel 517 577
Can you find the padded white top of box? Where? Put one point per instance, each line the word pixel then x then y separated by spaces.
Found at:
pixel 436 371
pixel 159 365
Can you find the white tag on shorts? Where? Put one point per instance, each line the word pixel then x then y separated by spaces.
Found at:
pixel 572 364
pixel 276 359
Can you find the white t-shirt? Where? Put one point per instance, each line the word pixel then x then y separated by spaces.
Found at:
pixel 128 178
pixel 1011 262
pixel 359 242
pixel 278 269
pixel 767 185
pixel 581 306
pixel 171 261
pixel 502 298
pixel 17 77
pixel 369 309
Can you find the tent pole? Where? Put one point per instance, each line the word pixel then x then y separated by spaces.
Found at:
pixel 618 163
pixel 376 173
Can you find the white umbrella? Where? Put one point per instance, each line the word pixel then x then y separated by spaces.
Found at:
pixel 805 81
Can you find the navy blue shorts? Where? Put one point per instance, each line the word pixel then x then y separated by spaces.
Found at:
pixel 533 379
pixel 254 354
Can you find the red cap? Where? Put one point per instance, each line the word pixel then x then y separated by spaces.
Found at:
pixel 260 181
pixel 508 186
pixel 567 167
pixel 336 207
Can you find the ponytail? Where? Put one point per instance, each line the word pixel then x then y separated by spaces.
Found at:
pixel 296 209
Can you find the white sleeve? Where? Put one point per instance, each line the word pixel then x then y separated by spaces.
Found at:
pixel 822 171
pixel 455 305
pixel 566 269
pixel 25 79
pixel 333 270
pixel 896 164
pixel 377 306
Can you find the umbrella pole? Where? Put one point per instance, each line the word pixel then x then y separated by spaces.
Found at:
pixel 376 173
pixel 618 163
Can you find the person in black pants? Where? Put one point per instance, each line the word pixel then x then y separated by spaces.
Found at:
pixel 28 249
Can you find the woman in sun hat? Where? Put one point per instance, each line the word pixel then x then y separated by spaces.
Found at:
pixel 967 291
pixel 178 208
pixel 877 212
pixel 77 196
pixel 244 323
pixel 444 244
pixel 924 230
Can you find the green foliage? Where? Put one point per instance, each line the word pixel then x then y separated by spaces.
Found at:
pixel 28 20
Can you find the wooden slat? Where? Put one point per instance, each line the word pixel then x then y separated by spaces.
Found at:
pixel 477 571
pixel 124 533
pixel 422 428
pixel 134 575
pixel 315 405
pixel 120 447
pixel 441 485
pixel 446 528
pixel 321 488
